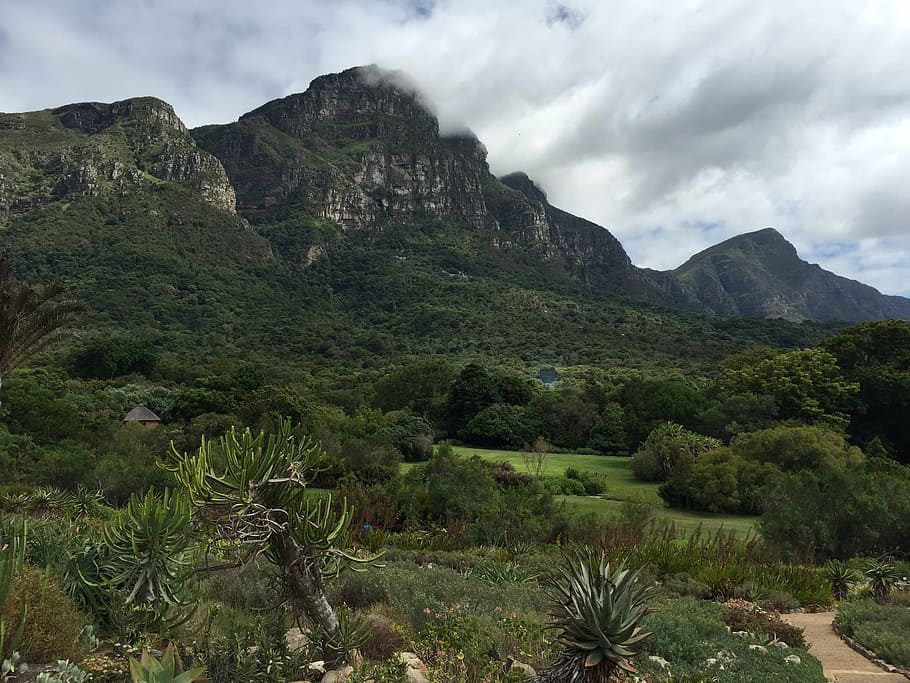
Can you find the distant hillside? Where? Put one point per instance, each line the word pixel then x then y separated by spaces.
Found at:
pixel 759 274
pixel 333 227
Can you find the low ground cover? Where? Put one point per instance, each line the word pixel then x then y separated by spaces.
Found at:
pixel 882 629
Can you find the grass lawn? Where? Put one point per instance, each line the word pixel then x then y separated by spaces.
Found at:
pixel 621 485
pixel 685 520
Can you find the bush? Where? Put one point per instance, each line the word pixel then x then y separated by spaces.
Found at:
pixel 385 637
pixel 666 447
pixel 53 622
pixel 880 628
pixel 358 590
pixel 692 636
pixel 747 616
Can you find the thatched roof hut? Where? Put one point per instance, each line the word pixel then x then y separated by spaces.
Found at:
pixel 143 416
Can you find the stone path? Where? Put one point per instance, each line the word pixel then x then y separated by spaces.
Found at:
pixel 841 664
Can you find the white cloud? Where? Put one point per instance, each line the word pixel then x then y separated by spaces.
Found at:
pixel 673 124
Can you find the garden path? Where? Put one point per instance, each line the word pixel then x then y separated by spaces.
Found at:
pixel 840 662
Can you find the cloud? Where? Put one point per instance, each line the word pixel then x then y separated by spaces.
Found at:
pixel 673 124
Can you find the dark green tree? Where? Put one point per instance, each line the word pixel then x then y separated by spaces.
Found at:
pixel 32 318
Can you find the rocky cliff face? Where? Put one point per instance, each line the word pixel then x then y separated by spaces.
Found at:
pixel 760 274
pixel 88 148
pixel 360 150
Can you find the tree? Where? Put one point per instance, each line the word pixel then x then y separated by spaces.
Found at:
pixel 32 317
pixel 666 447
pixel 256 500
pixel 806 384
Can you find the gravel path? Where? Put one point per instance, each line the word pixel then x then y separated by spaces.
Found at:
pixel 841 664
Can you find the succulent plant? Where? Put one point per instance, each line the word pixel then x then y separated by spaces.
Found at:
pixel 12 556
pixel 882 575
pixel 598 610
pixel 169 669
pixel 841 576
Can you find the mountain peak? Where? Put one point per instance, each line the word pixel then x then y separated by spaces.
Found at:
pixel 521 182
pixel 354 96
pixel 760 274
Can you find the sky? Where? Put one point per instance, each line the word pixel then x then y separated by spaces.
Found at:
pixel 673 124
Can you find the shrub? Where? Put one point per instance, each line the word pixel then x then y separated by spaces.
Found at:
pixel 667 446
pixel 385 637
pixel 747 616
pixel 880 628
pixel 358 590
pixel 53 622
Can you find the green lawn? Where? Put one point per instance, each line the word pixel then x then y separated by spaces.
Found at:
pixel 685 520
pixel 621 485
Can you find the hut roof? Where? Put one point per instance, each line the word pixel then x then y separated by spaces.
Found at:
pixel 141 414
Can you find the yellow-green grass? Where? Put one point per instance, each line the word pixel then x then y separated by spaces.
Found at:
pixel 621 483
pixel 684 520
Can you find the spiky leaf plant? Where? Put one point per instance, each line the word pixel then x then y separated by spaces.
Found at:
pixel 598 610
pixel 882 576
pixel 252 490
pixel 168 670
pixel 841 576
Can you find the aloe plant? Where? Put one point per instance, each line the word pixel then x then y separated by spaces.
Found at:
pixel 882 576
pixel 598 610
pixel 169 669
pixel 841 576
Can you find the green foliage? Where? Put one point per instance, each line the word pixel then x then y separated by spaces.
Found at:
pixel 692 636
pixel 169 669
pixel 746 616
pixel 608 435
pixel 794 448
pixel 841 577
pixel 861 509
pixel 12 556
pixel 880 628
pixel 875 356
pixel 882 577
pixel 598 612
pixel 32 317
pixel 51 625
pixel 108 357
pixel 649 403
pixel 806 385
pixel 148 549
pixel 502 426
pixel 666 447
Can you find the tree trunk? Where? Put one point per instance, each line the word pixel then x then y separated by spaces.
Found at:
pixel 304 580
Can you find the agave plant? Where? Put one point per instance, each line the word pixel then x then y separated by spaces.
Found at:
pixel 882 576
pixel 598 610
pixel 46 502
pixel 841 576
pixel 85 502
pixel 168 670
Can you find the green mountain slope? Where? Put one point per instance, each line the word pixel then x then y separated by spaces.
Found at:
pixel 760 274
pixel 360 234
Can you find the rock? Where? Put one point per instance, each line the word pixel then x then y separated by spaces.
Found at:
pixel 416 672
pixel 760 648
pixel 781 645
pixel 515 665
pixel 793 659
pixel 339 675
pixel 297 639
pixel 659 660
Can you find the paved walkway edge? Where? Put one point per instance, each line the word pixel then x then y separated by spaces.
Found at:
pixel 869 654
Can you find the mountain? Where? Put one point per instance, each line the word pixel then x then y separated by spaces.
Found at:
pixel 759 274
pixel 337 226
